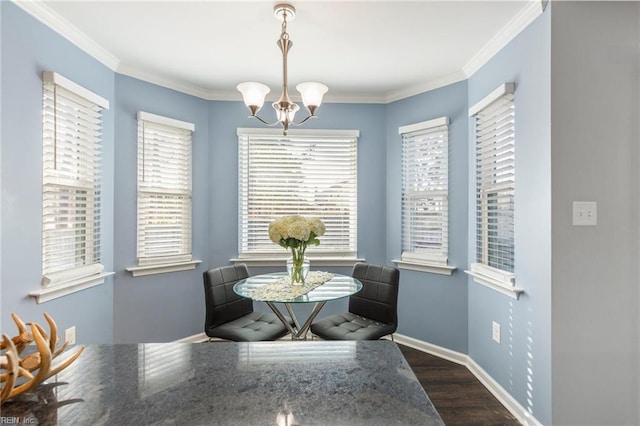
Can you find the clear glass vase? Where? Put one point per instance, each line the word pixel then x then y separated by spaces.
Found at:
pixel 297 267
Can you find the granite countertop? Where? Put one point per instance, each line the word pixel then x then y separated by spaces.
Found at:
pixel 225 383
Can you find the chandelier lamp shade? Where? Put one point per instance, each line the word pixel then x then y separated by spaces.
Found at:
pixel 312 93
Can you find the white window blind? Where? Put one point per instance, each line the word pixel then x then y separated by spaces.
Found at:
pixel 164 190
pixel 72 152
pixel 309 175
pixel 425 179
pixel 495 182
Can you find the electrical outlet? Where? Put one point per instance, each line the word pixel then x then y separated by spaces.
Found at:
pixel 495 332
pixel 70 335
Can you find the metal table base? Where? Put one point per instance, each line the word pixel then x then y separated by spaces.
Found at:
pixel 297 332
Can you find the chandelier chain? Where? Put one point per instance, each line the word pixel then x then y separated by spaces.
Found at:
pixel 284 35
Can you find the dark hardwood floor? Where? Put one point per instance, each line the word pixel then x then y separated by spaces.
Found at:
pixel 458 396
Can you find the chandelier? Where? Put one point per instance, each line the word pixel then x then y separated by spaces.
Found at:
pixel 254 93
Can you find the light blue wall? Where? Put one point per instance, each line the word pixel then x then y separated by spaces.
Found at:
pixel 521 364
pixel 1 81
pixel 28 48
pixel 162 307
pixel 432 307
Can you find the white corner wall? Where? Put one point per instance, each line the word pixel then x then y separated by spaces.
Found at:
pixel 594 154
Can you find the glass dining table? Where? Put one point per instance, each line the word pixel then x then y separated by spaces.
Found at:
pixel 319 288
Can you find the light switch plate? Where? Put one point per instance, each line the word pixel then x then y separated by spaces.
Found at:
pixel 495 331
pixel 585 213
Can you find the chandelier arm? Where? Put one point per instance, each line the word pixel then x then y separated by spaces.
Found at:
pixel 303 121
pixel 265 122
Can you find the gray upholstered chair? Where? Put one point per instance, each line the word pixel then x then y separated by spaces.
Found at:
pixel 231 317
pixel 373 312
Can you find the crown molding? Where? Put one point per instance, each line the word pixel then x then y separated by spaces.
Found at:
pixel 425 87
pixel 504 36
pixel 40 11
pixel 169 83
pixel 233 95
pixel 51 19
pixel 354 98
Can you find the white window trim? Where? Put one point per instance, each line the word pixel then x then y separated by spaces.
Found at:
pixel 62 283
pixel 423 125
pixel 147 116
pixel 271 260
pixel 325 258
pixel 500 91
pixel 415 262
pixel 495 279
pixel 63 277
pixel 243 131
pixel 68 287
pixel 434 268
pixel 54 77
pixel 163 268
pixel 153 266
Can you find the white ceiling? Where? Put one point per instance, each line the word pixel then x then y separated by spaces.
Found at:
pixel 373 51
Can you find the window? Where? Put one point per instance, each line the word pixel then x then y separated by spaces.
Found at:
pixel 71 179
pixel 495 186
pixel 164 195
pixel 425 195
pixel 308 173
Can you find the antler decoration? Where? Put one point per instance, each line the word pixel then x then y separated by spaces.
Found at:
pixel 14 366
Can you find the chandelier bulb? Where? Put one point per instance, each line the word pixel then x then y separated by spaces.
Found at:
pixel 312 93
pixel 253 95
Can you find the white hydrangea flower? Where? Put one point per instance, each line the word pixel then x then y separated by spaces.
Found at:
pixel 303 231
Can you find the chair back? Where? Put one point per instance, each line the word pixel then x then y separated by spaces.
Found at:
pixel 222 303
pixel 378 299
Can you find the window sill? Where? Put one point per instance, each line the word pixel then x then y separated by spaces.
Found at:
pixel 434 268
pixel 162 268
pixel 69 287
pixel 280 261
pixel 494 284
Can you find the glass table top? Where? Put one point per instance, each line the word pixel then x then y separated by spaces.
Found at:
pixel 336 288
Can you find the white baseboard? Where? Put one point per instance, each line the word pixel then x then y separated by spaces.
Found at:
pixel 505 398
pixel 429 348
